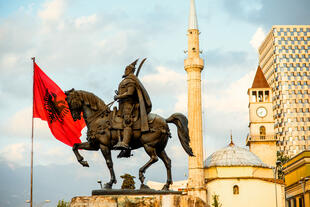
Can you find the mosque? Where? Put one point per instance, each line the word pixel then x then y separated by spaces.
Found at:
pixel 232 176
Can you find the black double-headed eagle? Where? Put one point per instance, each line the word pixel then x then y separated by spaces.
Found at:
pixel 56 110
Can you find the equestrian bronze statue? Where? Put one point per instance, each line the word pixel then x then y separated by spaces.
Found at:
pixel 127 128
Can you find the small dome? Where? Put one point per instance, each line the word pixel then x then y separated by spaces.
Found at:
pixel 233 156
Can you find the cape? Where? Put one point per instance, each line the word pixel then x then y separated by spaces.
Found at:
pixel 144 102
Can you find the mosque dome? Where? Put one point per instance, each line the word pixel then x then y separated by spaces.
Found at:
pixel 233 156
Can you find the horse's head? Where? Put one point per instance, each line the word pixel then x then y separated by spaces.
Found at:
pixel 86 102
pixel 75 103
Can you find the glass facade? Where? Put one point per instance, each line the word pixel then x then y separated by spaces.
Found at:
pixel 284 57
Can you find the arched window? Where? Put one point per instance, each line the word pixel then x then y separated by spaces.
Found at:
pixel 262 132
pixel 254 96
pixel 260 96
pixel 266 95
pixel 236 190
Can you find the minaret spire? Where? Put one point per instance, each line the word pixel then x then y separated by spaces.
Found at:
pixel 192 21
pixel 193 65
pixel 231 139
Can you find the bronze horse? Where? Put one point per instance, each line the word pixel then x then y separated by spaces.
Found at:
pixel 101 134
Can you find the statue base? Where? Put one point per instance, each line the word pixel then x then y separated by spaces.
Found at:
pixel 134 192
pixel 137 198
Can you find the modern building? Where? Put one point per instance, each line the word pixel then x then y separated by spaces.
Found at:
pixel 297 180
pixel 261 139
pixel 284 57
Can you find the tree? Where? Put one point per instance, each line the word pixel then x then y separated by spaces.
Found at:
pixel 281 160
pixel 63 203
pixel 216 202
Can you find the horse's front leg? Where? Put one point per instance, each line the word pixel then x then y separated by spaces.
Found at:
pixel 86 146
pixel 108 158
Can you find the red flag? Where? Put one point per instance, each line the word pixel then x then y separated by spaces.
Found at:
pixel 49 104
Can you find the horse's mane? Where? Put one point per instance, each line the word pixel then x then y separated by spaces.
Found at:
pixel 91 100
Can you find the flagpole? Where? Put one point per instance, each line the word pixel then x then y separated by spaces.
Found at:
pixel 31 168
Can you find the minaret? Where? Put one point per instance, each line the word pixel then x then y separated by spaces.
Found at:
pixel 193 66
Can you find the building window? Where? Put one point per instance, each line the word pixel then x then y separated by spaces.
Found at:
pixel 236 189
pixel 262 132
pixel 289 203
pixel 254 99
pixel 267 96
pixel 301 202
pixel 260 96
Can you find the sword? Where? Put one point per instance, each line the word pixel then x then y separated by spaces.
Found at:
pixel 140 66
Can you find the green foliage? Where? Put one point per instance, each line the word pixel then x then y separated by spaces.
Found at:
pixel 63 203
pixel 128 182
pixel 216 202
pixel 282 160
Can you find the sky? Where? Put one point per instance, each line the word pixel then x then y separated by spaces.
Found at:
pixel 87 44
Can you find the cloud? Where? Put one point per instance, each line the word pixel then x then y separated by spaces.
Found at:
pixel 181 104
pixel 46 152
pixel 19 125
pixel 165 84
pixel 226 109
pixel 157 111
pixel 258 38
pixel 234 98
pixel 250 6
pixel 14 153
pixel 91 45
pixel 9 60
pixel 268 13
pixel 177 153
pixel 219 61
pixel 165 80
pixel 52 10
pixel 85 20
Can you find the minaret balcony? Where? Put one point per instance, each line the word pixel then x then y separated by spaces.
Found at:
pixel 193 63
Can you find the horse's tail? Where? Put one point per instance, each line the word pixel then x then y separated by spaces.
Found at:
pixel 182 124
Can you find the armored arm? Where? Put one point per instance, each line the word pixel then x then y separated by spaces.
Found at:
pixel 130 91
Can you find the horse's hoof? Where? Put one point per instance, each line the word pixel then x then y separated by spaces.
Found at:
pixel 84 163
pixel 165 188
pixel 143 186
pixel 107 186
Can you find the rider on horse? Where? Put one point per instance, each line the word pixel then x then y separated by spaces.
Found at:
pixel 134 104
pixel 104 126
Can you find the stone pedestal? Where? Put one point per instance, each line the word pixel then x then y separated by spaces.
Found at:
pixel 170 200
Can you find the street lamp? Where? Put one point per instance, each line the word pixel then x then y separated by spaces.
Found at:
pixel 275 180
pixel 303 183
pixel 100 183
